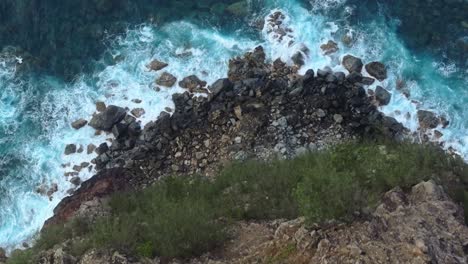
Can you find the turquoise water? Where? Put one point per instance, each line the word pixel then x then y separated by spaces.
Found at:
pixel 36 109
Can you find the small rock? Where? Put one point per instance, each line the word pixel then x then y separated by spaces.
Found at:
pixel 238 112
pixel 168 109
pixel 338 118
pixel 80 149
pixel 166 79
pixel 352 64
pixel 70 149
pixel 77 168
pixel 321 113
pixel 156 65
pixel 238 140
pixel 136 101
pixel 79 123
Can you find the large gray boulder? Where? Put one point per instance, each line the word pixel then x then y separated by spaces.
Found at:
pixel 352 64
pixel 382 96
pixel 377 70
pixel 105 120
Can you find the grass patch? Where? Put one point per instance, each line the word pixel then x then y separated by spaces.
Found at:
pixel 186 216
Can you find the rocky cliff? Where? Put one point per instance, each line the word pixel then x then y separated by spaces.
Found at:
pixel 261 111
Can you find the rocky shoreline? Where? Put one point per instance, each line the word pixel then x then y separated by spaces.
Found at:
pixel 261 111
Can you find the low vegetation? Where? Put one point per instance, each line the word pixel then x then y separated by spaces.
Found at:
pixel 186 216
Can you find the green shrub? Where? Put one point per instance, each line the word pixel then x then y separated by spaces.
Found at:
pixel 177 216
pixel 256 190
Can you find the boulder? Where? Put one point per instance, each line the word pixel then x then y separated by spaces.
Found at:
pixel 70 149
pixel 352 64
pixel 106 119
pixel 166 79
pixel 192 83
pixel 382 96
pixel 377 70
pixel 156 65
pixel 79 123
pixel 428 119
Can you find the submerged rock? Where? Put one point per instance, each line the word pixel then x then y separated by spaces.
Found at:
pixel 352 64
pixel 106 119
pixel 377 70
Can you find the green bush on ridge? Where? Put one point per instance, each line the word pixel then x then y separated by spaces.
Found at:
pixel 187 216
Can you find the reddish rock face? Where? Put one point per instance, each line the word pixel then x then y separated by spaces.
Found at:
pixel 103 184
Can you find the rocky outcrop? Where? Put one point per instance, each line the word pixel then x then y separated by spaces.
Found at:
pixel 261 111
pixel 101 185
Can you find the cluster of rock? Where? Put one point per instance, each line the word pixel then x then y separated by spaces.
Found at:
pixel 260 111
